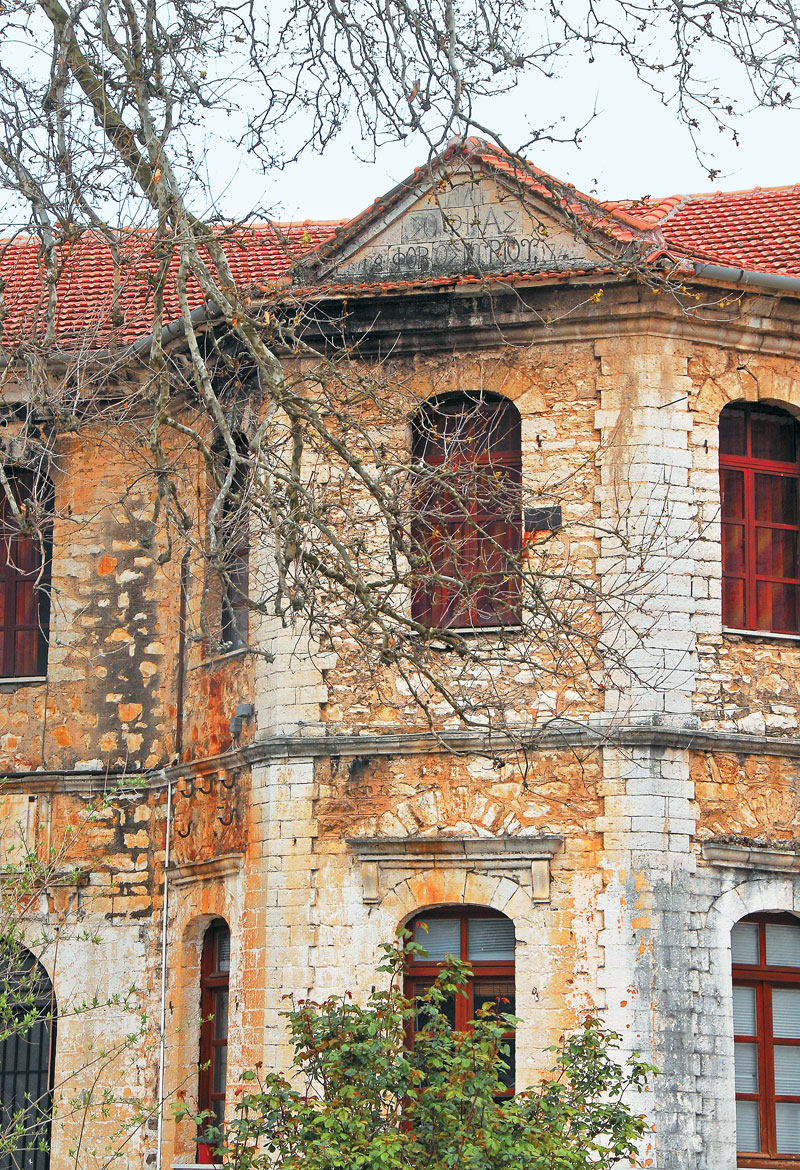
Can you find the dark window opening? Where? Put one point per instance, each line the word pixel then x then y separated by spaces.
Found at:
pixel 25 561
pixel 485 939
pixel 759 466
pixel 765 952
pixel 234 541
pixel 26 1062
pixel 213 1075
pixel 467 512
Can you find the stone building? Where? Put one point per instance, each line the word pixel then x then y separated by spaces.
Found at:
pixel 646 349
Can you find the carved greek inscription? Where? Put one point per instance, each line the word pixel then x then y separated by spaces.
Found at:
pixel 473 238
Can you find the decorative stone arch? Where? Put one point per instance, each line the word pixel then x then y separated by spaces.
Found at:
pixel 426 891
pixel 445 869
pixel 756 894
pixel 200 892
pixel 511 875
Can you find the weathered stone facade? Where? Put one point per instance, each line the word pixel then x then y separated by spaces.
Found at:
pixel 646 818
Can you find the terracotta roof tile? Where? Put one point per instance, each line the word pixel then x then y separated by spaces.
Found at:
pixel 95 299
pixel 758 229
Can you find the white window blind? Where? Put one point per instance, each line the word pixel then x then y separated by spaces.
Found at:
pixel 490 939
pixel 744 1011
pixel 783 944
pixel 787 1070
pixel 223 951
pixel 748 1134
pixel 786 1012
pixel 744 942
pixel 787 1127
pixel 442 938
pixel 746 1067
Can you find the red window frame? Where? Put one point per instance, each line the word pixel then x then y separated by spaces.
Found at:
pixel 764 977
pixel 24 579
pixel 421 973
pixel 468 539
pixel 757 592
pixel 214 990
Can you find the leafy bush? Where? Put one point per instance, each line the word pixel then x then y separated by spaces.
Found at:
pixel 363 1096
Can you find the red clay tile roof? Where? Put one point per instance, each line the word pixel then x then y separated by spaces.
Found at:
pixel 758 229
pixel 90 290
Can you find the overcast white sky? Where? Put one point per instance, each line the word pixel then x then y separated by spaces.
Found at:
pixel 634 147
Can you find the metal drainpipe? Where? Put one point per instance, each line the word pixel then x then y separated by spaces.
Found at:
pixel 163 1015
pixel 771 282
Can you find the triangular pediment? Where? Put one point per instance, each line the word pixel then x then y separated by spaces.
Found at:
pixel 460 218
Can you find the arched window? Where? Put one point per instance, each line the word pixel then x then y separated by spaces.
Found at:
pixel 467 511
pixel 765 951
pixel 28 1014
pixel 759 459
pixel 485 938
pixel 213 1078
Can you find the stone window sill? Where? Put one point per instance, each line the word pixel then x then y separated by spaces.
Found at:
pixel 215 660
pixel 762 635
pixel 25 680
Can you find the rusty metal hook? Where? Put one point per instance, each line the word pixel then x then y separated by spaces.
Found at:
pixel 222 820
pixel 186 834
pixel 180 792
pixel 228 786
pixel 209 790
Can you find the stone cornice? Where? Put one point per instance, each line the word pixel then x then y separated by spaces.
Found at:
pixel 556 736
pixel 751 857
pixel 488 314
pixel 453 850
pixel 184 873
pixel 526 860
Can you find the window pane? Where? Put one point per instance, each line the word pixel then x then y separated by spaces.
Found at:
pixel 500 992
pixel 220 1069
pixel 733 548
pixel 733 603
pixel 490 939
pixel 744 1011
pixel 783 944
pixel 772 437
pixel 746 1067
pixel 744 942
pixel 220 1015
pixel 447 1006
pixel 786 1013
pixel 776 498
pixel 787 1070
pixel 787 1128
pixel 25 653
pixel 777 607
pixel 732 490
pixel 748 1133
pixel 224 950
pixel 776 552
pixel 732 431
pixel 507 1073
pixel 443 937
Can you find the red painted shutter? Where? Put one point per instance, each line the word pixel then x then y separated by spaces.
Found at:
pixel 24 584
pixel 467 512
pixel 760 489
